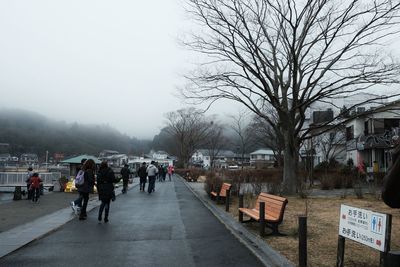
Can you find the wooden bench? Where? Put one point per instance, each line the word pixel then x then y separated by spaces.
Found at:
pixel 268 211
pixel 225 188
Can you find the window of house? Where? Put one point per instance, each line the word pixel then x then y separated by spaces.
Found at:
pixel 350 133
pixel 360 109
pixel 390 124
pixel 379 126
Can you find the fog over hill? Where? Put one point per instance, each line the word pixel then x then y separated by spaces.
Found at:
pixel 27 131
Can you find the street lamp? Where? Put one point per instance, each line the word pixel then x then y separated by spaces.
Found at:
pixel 47 156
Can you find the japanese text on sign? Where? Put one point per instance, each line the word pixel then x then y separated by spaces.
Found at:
pixel 363 226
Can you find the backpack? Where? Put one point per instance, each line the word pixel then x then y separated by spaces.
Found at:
pixel 80 178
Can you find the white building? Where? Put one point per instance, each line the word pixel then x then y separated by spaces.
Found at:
pixel 262 157
pixel 332 143
pixel 222 159
pixel 369 136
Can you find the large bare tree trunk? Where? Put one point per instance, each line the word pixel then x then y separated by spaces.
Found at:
pixel 290 160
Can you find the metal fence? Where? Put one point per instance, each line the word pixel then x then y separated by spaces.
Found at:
pixel 20 177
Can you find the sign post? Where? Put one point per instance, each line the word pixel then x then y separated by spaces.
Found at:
pixel 366 227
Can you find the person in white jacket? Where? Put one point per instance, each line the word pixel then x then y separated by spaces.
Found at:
pixel 151 173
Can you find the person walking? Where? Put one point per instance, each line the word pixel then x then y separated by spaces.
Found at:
pixel 77 203
pixel 28 182
pixel 125 178
pixel 142 173
pixel 151 173
pixel 35 187
pixel 169 170
pixel 89 168
pixel 105 188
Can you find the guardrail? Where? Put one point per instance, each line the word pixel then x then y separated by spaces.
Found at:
pixel 19 178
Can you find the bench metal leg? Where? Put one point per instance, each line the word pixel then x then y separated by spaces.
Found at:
pixel 275 231
pixel 227 199
pixel 240 206
pixel 262 219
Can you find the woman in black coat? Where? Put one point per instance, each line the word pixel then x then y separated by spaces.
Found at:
pixel 105 189
pixel 87 187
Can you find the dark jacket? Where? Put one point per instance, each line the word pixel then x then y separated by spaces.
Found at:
pixel 391 182
pixel 87 186
pixel 142 173
pixel 125 173
pixel 105 183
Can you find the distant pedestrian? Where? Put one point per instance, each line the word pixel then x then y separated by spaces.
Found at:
pixel 87 187
pixel 142 173
pixel 35 187
pixel 125 172
pixel 28 182
pixel 160 173
pixel 169 170
pixel 105 188
pixel 164 173
pixel 77 203
pixel 151 173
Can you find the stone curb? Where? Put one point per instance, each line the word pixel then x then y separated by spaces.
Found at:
pixel 22 235
pixel 255 244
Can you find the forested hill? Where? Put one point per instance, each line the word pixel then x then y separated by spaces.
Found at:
pixel 30 132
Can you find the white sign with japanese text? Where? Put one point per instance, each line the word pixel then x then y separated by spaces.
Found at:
pixel 363 226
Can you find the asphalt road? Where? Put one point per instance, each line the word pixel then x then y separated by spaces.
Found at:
pixel 167 228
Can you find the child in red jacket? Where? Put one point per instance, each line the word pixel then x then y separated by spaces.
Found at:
pixel 35 186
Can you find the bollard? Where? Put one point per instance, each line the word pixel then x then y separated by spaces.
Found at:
pixel 228 196
pixel 240 206
pixel 340 252
pixel 392 259
pixel 17 193
pixel 262 218
pixel 302 241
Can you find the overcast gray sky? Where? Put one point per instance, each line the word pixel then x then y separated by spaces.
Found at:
pixel 93 61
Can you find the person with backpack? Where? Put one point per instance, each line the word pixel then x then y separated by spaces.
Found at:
pixel 142 173
pixel 105 188
pixel 35 182
pixel 125 172
pixel 86 188
pixel 77 203
pixel 151 173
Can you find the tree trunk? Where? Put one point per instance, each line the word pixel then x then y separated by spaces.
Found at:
pixel 290 164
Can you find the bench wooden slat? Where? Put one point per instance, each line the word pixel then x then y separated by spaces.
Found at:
pixel 222 192
pixel 274 210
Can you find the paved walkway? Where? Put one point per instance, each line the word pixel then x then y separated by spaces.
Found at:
pixel 169 227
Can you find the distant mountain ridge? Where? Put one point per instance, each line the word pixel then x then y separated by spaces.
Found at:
pixel 30 132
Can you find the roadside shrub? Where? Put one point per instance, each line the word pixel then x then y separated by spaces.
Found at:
pixel 194 173
pixel 326 182
pixel 212 183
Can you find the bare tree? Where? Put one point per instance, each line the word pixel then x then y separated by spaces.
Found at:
pixel 189 128
pixel 215 142
pixel 331 143
pixel 268 136
pixel 240 125
pixel 288 55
